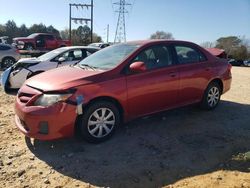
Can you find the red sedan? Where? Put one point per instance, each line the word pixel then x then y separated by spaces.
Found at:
pixel 117 84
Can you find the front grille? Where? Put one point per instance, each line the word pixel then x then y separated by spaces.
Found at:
pixel 25 97
pixel 27 94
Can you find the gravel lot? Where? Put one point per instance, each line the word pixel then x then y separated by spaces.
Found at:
pixel 185 147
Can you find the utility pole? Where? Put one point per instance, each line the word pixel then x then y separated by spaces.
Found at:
pixel 81 20
pixel 92 9
pixel 120 34
pixel 107 33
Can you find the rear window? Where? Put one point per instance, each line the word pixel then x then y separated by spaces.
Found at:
pixel 2 48
pixel 186 54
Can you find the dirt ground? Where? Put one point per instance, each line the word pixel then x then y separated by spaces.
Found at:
pixel 185 147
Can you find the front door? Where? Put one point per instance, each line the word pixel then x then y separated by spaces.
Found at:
pixel 157 88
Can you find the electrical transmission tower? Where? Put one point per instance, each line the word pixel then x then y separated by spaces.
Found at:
pixel 120 34
pixel 81 20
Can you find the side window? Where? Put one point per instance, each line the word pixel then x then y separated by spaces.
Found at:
pixel 2 48
pixel 77 55
pixel 189 55
pixel 89 52
pixel 49 37
pixel 155 57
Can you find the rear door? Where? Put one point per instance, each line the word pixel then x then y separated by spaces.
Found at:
pixel 156 88
pixel 195 71
pixel 51 42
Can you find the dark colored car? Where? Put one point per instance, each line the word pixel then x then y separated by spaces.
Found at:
pixel 118 84
pixel 234 62
pixel 40 41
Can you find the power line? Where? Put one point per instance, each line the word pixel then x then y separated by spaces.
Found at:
pixel 120 34
pixel 81 20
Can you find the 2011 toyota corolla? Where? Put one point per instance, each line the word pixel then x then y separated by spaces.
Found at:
pixel 117 84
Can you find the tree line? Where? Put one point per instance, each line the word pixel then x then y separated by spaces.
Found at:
pixel 235 47
pixel 79 36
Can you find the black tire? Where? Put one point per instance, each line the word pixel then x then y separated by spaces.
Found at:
pixel 211 97
pixel 7 62
pixel 88 116
pixel 29 47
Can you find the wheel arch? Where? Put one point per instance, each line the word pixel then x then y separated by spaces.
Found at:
pixel 108 99
pixel 218 81
pixel 10 57
pixel 94 100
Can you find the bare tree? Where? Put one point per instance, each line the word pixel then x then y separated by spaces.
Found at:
pixel 208 44
pixel 161 35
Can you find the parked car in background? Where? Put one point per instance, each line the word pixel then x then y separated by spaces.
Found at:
pixel 25 68
pixel 40 41
pixel 247 63
pixel 117 84
pixel 234 62
pixel 100 45
pixel 8 55
pixel 3 40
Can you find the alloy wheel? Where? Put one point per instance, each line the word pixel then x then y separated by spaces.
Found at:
pixel 101 122
pixel 213 96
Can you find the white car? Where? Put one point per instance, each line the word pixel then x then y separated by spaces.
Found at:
pixel 16 75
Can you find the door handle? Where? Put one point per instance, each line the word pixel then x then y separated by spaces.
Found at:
pixel 207 69
pixel 172 74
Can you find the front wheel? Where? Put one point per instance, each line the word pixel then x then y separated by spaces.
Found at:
pixel 99 121
pixel 29 47
pixel 211 97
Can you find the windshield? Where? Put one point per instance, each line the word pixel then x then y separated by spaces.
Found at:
pixel 109 57
pixel 51 54
pixel 32 35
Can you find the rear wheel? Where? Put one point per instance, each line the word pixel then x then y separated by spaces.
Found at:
pixel 99 121
pixel 211 97
pixel 7 62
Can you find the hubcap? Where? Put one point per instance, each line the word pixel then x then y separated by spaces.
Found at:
pixel 213 96
pixel 101 122
pixel 29 47
pixel 8 62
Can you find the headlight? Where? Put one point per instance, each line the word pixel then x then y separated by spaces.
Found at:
pixel 50 99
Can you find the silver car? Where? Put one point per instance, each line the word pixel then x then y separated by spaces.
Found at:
pixel 8 55
pixel 14 77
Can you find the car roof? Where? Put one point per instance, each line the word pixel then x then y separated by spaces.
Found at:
pixel 79 47
pixel 152 41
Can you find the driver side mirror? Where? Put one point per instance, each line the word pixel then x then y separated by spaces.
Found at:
pixel 61 59
pixel 137 67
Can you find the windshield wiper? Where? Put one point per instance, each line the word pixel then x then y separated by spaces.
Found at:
pixel 86 65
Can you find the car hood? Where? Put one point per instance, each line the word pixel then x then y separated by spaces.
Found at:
pixel 29 60
pixel 22 38
pixel 62 78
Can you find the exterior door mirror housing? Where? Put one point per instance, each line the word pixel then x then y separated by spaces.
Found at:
pixel 61 59
pixel 137 67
